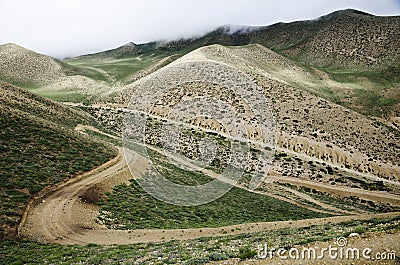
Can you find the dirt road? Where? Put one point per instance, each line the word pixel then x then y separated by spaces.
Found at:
pixel 65 217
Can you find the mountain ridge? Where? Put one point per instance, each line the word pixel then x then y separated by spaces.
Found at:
pixel 291 37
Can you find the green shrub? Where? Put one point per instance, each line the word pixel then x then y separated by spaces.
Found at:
pixel 197 261
pixel 360 229
pixel 247 253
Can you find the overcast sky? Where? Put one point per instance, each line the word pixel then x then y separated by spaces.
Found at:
pixel 63 28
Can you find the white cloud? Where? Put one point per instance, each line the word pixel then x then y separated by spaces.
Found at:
pixel 71 27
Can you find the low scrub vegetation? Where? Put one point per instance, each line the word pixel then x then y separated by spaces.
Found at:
pixel 198 251
pixel 130 207
pixel 39 149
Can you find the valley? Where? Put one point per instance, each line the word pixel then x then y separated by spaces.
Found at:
pixel 300 127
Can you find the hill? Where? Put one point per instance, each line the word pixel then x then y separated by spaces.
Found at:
pixel 49 77
pixel 323 141
pixel 349 140
pixel 39 148
pixel 127 50
pixel 23 66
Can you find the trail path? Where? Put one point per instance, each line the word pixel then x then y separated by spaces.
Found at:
pixel 82 128
pixel 342 191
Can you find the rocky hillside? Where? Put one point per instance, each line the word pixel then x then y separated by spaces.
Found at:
pixel 351 39
pixel 23 66
pixel 306 122
pixel 344 39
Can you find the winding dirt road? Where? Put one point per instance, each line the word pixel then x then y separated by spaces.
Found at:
pixel 64 216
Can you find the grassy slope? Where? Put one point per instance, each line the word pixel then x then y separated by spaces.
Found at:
pixel 76 84
pixel 90 77
pixel 123 62
pixel 117 68
pixel 130 207
pixel 39 148
pixel 25 101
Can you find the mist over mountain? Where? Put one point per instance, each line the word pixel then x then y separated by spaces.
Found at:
pixel 72 28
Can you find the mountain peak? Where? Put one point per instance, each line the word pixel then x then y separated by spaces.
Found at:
pixel 346 12
pixel 130 44
pixel 21 65
pixel 11 46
